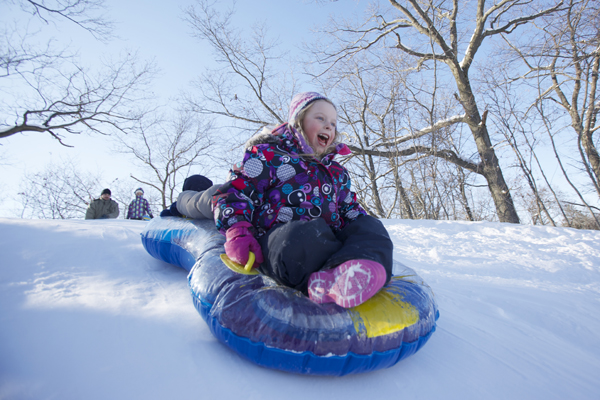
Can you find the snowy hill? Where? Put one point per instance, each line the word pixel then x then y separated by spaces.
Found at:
pixel 85 312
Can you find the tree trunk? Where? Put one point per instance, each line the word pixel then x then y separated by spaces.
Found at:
pixel 463 194
pixel 505 207
pixel 587 140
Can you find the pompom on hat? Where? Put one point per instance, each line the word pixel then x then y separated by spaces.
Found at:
pixel 300 101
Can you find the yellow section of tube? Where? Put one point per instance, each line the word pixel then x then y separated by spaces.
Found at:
pixel 383 314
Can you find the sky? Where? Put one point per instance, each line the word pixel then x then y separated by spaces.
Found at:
pixel 156 30
pixel 86 312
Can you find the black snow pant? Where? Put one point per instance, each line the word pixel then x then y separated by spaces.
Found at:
pixel 295 249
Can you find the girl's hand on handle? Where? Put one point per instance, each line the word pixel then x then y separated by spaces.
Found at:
pixel 240 242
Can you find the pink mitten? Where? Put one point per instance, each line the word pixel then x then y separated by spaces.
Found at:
pixel 240 242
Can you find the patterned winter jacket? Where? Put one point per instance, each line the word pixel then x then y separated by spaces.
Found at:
pixel 138 208
pixel 274 185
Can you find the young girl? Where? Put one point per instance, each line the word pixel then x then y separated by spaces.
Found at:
pixel 290 204
pixel 139 206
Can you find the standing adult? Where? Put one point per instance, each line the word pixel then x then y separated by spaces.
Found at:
pixel 139 206
pixel 103 207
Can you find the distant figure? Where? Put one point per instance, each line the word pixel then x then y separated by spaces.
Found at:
pixel 193 186
pixel 139 206
pixel 103 208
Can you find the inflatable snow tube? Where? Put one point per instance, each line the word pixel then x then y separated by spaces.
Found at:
pixel 278 327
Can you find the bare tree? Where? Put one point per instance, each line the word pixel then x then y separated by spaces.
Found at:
pixel 46 89
pixel 87 14
pixel 523 131
pixel 60 191
pixel 167 150
pixel 579 220
pixel 380 95
pixel 560 62
pixel 451 33
pixel 251 88
pixel 564 62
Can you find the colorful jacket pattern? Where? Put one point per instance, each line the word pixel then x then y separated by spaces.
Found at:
pixel 138 208
pixel 276 185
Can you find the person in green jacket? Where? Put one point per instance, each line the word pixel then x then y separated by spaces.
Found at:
pixel 103 208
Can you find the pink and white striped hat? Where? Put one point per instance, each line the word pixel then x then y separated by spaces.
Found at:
pixel 300 101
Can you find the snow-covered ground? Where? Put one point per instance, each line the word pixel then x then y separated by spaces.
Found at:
pixel 86 313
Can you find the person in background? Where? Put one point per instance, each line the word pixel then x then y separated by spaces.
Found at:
pixel 197 204
pixel 139 206
pixel 103 207
pixel 195 199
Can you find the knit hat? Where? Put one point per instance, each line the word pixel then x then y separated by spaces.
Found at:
pixel 197 183
pixel 300 101
pixel 139 190
pixel 106 191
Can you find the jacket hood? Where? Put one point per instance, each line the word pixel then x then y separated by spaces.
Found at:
pixel 263 138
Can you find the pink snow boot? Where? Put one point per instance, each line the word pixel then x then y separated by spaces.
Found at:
pixel 348 285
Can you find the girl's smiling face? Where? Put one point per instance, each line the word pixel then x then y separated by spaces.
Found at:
pixel 319 125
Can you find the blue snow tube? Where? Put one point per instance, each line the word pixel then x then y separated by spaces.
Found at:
pixel 278 327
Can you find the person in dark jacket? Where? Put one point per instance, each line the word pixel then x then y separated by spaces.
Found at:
pixel 190 200
pixel 292 206
pixel 103 207
pixel 139 207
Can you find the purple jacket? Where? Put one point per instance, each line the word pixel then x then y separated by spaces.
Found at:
pixel 138 208
pixel 275 184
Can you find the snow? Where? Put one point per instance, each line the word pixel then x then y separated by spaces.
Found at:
pixel 85 312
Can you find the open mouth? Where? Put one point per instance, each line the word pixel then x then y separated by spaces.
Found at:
pixel 323 139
